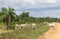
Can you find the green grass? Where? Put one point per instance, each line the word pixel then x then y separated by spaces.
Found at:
pixel 26 33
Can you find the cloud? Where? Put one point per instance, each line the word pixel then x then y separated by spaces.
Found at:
pixel 27 3
pixel 50 13
pixel 39 7
pixel 51 1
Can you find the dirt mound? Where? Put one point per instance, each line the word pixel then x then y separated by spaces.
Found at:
pixel 52 33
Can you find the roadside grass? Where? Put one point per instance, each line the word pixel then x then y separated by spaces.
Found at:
pixel 28 33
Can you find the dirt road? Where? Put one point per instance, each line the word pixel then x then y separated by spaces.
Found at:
pixel 52 33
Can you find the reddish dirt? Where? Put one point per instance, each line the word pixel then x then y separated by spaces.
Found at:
pixel 52 33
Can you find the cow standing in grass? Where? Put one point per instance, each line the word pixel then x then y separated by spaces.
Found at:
pixel 51 24
pixel 34 25
pixel 23 26
pixel 17 25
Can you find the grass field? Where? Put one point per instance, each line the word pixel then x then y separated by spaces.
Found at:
pixel 24 34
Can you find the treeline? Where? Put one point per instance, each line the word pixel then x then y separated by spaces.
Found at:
pixel 9 17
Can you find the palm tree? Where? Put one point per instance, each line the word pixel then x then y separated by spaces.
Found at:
pixel 9 15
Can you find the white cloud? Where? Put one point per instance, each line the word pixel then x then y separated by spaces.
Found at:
pixel 29 1
pixel 51 1
pixel 26 4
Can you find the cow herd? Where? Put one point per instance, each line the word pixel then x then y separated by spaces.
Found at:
pixel 33 25
pixel 24 26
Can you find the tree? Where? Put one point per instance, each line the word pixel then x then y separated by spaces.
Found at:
pixel 24 15
pixel 23 18
pixel 8 15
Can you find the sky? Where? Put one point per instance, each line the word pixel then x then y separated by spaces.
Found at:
pixel 37 8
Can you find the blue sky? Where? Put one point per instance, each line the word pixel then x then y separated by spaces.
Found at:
pixel 37 8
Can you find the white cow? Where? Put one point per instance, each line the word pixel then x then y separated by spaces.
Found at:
pixel 45 22
pixel 23 26
pixel 51 24
pixel 17 25
pixel 34 25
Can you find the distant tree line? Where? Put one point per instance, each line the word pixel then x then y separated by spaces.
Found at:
pixel 9 18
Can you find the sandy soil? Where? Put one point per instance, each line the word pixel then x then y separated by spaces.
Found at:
pixel 52 33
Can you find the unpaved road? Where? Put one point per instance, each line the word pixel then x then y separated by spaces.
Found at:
pixel 52 33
